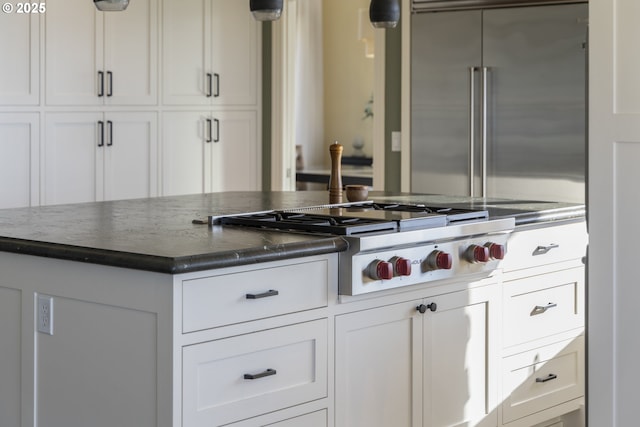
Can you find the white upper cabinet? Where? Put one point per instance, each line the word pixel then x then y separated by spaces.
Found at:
pixel 20 53
pixel 94 156
pixel 208 152
pixel 101 58
pixel 210 53
pixel 19 159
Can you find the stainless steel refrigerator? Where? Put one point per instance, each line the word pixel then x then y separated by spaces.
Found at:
pixel 498 100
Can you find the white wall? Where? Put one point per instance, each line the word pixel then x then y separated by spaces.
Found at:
pixel 348 77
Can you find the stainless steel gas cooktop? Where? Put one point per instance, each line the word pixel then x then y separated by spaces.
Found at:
pixel 395 245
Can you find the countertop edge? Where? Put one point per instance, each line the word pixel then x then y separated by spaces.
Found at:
pixel 178 265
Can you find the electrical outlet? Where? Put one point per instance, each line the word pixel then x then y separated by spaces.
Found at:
pixel 396 141
pixel 45 314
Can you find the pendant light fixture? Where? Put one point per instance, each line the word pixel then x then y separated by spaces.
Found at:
pixel 266 10
pixel 384 13
pixel 111 5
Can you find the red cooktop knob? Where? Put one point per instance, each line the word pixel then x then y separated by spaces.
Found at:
pixel 496 250
pixel 444 261
pixel 380 270
pixel 477 253
pixel 401 266
pixel 439 260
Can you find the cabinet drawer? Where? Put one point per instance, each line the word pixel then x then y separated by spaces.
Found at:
pixel 244 376
pixel 543 305
pixel 314 419
pixel 542 378
pixel 532 248
pixel 221 300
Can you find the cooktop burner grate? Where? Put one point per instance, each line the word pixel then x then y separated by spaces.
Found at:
pixel 453 214
pixel 339 225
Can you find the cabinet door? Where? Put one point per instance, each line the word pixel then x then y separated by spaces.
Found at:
pixel 378 369
pixel 537 74
pixel 12 355
pixel 443 86
pixel 73 158
pixel 19 160
pixel 187 52
pixel 74 56
pixel 234 153
pixel 460 376
pixel 235 41
pixel 183 152
pixel 131 156
pixel 130 62
pixel 19 50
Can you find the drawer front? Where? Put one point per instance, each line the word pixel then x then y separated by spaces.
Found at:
pixel 215 301
pixel 542 378
pixel 248 375
pixel 543 305
pixel 532 248
pixel 315 419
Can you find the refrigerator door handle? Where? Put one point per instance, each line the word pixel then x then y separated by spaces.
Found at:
pixel 472 129
pixel 483 128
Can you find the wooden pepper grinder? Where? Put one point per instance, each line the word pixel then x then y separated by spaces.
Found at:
pixel 335 179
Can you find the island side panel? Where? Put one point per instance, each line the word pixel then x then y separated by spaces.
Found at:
pixel 109 359
pixel 10 354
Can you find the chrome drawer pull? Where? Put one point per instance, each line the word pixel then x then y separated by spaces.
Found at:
pixel 547 378
pixel 539 309
pixel 541 250
pixel 269 293
pixel 263 374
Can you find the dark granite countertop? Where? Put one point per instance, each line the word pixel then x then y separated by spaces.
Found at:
pixel 158 234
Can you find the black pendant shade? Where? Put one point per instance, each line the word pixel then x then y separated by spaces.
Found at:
pixel 384 13
pixel 111 5
pixel 266 10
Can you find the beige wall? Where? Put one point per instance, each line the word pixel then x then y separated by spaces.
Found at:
pixel 348 76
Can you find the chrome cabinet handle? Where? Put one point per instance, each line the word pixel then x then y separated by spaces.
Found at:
pixel 209 85
pixel 262 374
pixel 101 83
pixel 539 309
pixel 547 378
pixel 541 250
pixel 269 293
pixel 101 133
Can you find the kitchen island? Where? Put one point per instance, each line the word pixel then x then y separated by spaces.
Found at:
pixel 142 320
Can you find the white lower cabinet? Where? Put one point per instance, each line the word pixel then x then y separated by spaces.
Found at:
pixel 543 365
pixel 99 156
pixel 543 378
pixel 210 151
pixel 253 344
pixel 241 377
pixel 273 344
pixel 398 367
pixel 19 160
pixel 219 300
pixel 314 419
